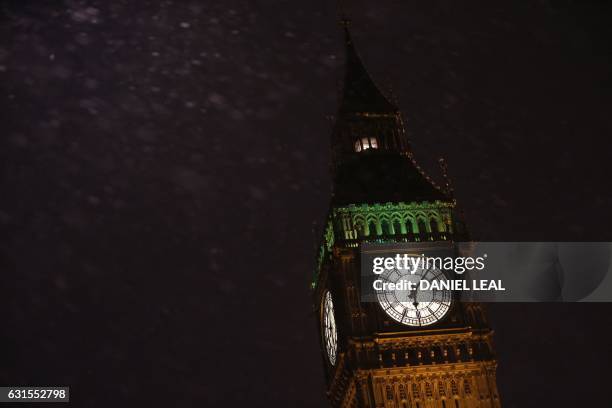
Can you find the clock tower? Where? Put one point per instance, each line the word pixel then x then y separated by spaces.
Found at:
pixel 375 355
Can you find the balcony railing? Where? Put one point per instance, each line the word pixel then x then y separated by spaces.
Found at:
pixel 409 237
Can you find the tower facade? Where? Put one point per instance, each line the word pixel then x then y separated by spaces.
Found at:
pixel 372 356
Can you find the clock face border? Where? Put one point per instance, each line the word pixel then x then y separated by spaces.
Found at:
pixel 329 328
pixel 406 314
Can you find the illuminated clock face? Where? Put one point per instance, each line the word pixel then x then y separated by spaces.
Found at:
pixel 414 307
pixel 330 332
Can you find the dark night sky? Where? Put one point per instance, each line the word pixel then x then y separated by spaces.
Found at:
pixel 163 165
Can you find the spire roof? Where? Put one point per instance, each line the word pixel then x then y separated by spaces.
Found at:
pixel 360 93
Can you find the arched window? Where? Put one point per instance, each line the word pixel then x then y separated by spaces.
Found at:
pixel 389 392
pixel 402 392
pixel 366 143
pixel 397 227
pixel 358 146
pixel 409 229
pixel 467 388
pixel 428 390
pixel 372 227
pixel 454 389
pixel 421 225
pixel 386 227
pixel 415 391
pixel 441 389
pixel 434 225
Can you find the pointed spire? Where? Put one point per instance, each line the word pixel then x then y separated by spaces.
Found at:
pixel 360 94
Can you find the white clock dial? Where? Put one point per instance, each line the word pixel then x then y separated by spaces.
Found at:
pixel 330 331
pixel 414 307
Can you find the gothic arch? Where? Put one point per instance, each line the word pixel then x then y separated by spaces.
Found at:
pixel 454 388
pixel 441 389
pixel 402 393
pixel 422 224
pixel 395 216
pixel 373 227
pixel 428 390
pixel 410 225
pixel 359 224
pixel 434 224
pixel 388 392
pixel 395 221
pixel 384 217
pixel 467 386
pixel 398 227
pixel 385 224
pixel 386 227
pixel 416 392
pixel 420 213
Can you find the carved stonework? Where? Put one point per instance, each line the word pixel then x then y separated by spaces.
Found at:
pixel 382 195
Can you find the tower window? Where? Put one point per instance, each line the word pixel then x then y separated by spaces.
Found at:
pixel 441 389
pixel 466 387
pixel 428 390
pixel 365 143
pixel 454 389
pixel 389 392
pixel 415 391
pixel 402 392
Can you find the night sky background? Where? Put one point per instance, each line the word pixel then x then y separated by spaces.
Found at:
pixel 163 166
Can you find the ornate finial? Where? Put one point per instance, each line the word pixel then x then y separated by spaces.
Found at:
pixel 344 21
pixel 448 185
